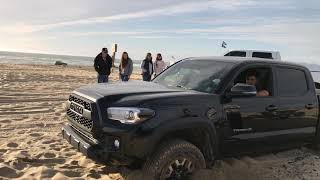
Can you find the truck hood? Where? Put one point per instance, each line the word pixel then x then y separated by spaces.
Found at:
pixel 94 92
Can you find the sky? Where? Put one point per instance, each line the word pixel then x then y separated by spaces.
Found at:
pixel 177 29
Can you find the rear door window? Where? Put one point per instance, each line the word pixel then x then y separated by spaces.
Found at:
pixel 237 53
pixel 262 55
pixel 291 82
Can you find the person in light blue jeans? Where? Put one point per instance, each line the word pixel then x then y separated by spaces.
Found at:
pixel 125 67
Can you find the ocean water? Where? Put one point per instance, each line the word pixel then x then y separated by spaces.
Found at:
pixel 50 59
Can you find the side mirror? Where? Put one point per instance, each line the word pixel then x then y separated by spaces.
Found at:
pixel 243 90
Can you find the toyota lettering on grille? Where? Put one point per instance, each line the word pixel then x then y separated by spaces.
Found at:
pixel 76 108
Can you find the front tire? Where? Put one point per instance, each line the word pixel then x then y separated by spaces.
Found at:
pixel 176 159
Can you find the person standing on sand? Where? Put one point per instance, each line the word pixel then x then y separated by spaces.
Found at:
pixel 159 65
pixel 147 68
pixel 125 67
pixel 103 65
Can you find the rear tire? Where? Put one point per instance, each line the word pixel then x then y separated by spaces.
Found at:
pixel 176 159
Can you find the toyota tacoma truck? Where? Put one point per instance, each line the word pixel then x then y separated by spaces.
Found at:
pixel 196 111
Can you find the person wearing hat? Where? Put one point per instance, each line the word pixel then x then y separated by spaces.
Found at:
pixel 103 65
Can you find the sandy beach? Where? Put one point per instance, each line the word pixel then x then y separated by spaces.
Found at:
pixel 31 147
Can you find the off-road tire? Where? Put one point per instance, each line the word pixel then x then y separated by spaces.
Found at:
pixel 168 153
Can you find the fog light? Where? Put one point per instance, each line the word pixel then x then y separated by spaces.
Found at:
pixel 116 143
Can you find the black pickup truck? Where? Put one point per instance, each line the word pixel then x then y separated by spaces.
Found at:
pixel 196 111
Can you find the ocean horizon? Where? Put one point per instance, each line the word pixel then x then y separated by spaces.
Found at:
pixel 50 59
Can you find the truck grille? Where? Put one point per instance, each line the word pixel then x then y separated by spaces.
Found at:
pixel 80 114
pixel 85 104
pixel 79 119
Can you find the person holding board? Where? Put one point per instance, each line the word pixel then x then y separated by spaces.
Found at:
pixel 103 65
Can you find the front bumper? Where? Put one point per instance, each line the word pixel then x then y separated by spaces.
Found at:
pixel 79 143
pixel 102 151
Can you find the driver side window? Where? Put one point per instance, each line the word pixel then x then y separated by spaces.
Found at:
pixel 261 78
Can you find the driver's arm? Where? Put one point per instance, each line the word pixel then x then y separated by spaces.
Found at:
pixel 263 93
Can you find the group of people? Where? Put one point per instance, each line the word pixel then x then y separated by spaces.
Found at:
pixel 103 64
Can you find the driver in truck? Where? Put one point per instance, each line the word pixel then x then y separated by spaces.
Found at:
pixel 251 79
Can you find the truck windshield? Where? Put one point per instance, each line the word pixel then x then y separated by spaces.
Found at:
pixel 198 75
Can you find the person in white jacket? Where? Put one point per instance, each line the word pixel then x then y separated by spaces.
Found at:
pixel 159 65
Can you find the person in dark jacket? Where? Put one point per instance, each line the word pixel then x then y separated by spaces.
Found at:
pixel 125 67
pixel 147 68
pixel 103 65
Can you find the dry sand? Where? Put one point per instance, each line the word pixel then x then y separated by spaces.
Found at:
pixel 31 147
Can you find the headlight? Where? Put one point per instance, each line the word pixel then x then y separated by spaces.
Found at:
pixel 128 115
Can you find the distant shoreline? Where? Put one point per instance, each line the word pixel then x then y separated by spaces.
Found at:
pixel 45 54
pixel 41 65
pixel 50 59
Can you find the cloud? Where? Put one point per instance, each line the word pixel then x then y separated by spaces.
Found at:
pixel 181 8
pixel 291 31
pixel 156 37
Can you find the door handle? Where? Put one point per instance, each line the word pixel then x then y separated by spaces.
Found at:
pixel 310 106
pixel 272 108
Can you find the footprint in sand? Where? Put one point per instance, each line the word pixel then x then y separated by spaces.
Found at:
pixel 71 174
pixel 6 121
pixel 18 164
pixel 52 145
pixel 48 142
pixel 35 134
pixel 7 172
pixel 12 145
pixel 3 151
pixel 74 163
pixel 56 118
pixel 69 154
pixel 25 117
pixel 94 174
pixel 57 114
pixel 21 132
pixel 56 146
pixel 49 155
pixel 19 119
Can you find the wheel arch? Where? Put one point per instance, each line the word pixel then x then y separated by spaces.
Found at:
pixel 202 135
